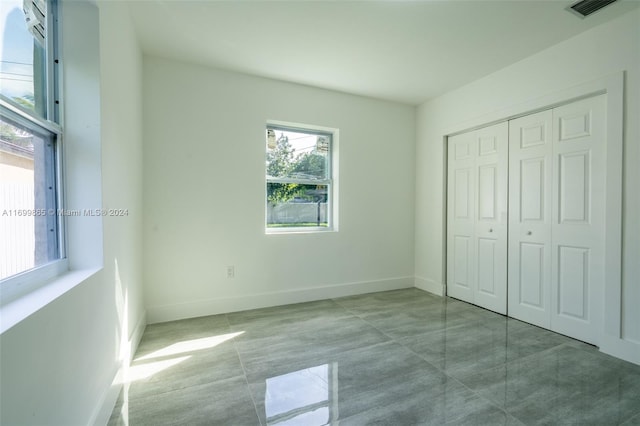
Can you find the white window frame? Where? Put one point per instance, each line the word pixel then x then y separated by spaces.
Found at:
pixel 25 282
pixel 330 182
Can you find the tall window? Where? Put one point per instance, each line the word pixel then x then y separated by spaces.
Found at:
pixel 30 188
pixel 298 179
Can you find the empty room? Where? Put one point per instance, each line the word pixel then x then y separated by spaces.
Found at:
pixel 319 212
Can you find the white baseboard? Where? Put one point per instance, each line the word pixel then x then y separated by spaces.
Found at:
pixel 136 336
pixel 429 285
pixel 110 397
pixel 264 300
pixel 102 412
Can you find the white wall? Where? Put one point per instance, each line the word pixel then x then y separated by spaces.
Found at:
pixel 204 164
pixel 609 48
pixel 121 101
pixel 58 365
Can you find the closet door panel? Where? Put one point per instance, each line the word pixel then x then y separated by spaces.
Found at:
pixel 477 217
pixel 574 190
pixel 531 287
pixel 573 282
pixel 533 179
pixel 577 279
pixel 461 217
pixel 491 217
pixel 487 263
pixel 462 269
pixel 530 209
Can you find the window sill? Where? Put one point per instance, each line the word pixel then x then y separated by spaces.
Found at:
pixel 305 230
pixel 15 310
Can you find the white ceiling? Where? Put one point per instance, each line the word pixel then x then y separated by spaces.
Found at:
pixel 406 51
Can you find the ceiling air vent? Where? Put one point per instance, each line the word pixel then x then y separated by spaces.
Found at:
pixel 585 8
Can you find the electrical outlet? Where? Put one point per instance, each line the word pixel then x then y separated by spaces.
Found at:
pixel 231 271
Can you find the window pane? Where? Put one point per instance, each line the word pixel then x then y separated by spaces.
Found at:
pixel 22 59
pixel 297 155
pixel 28 219
pixel 296 205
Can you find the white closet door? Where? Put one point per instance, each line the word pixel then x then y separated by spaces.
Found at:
pixel 477 217
pixel 554 164
pixel 461 254
pixel 556 218
pixel 578 228
pixel 530 210
pixel 491 217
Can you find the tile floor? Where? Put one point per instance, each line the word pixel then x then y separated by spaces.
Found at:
pixel 402 357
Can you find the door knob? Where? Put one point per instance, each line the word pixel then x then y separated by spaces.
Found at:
pixel 490 229
pixel 529 232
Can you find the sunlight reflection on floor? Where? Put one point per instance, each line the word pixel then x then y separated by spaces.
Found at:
pixel 190 346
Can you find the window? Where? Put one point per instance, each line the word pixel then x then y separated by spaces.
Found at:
pixel 298 179
pixel 30 188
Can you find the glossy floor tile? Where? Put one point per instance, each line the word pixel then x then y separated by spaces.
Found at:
pixel 402 357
